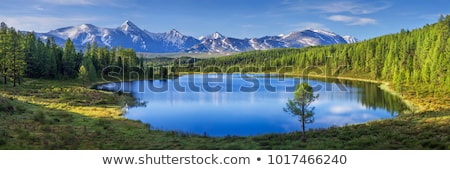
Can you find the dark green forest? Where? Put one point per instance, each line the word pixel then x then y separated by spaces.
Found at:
pixel 22 54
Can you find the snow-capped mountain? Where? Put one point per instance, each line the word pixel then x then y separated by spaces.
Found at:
pixel 311 37
pixel 174 41
pixel 218 43
pixel 129 35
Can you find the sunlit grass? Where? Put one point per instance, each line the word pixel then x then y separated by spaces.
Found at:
pixel 70 97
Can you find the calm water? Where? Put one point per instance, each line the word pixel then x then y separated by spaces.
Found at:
pixel 233 104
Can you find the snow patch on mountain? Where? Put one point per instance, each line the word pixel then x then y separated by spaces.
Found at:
pixel 350 39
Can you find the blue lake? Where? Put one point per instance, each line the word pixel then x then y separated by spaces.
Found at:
pixel 250 104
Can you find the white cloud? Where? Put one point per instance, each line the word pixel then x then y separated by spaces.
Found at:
pixel 340 109
pixel 351 20
pixel 339 7
pixel 346 109
pixel 43 24
pixel 364 21
pixel 39 8
pixel 341 18
pixel 352 7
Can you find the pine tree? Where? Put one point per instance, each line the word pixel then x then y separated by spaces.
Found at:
pixel 31 56
pixel 17 56
pixel 95 55
pixel 52 62
pixel 92 73
pixel 69 60
pixel 89 69
pixel 300 105
pixel 4 48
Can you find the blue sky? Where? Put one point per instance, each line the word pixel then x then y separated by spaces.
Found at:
pixel 363 19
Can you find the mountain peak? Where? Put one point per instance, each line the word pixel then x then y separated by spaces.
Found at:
pixel 128 22
pixel 129 26
pixel 309 31
pixel 87 27
pixel 174 32
pixel 214 36
pixel 329 33
pixel 217 35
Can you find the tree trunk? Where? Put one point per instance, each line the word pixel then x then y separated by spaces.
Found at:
pixel 14 68
pixel 303 130
pixel 303 122
pixel 14 77
pixel 4 73
pixel 18 76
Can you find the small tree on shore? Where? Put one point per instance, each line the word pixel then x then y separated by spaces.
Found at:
pixel 300 105
pixel 83 74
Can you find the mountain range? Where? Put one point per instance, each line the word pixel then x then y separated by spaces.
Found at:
pixel 128 35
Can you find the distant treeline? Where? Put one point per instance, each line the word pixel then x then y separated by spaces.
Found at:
pixel 25 55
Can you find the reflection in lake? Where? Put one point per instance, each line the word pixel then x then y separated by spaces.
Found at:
pixel 232 104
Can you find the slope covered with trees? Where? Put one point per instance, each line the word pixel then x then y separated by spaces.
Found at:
pixel 25 55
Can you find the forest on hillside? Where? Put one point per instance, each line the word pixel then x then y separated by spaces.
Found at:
pixel 22 54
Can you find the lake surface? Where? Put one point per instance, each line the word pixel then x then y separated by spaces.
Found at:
pixel 250 104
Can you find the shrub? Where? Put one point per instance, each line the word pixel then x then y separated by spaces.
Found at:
pixel 39 117
pixel 3 137
pixel 105 124
pixel 24 135
pixel 46 128
pixel 6 105
pixel 21 109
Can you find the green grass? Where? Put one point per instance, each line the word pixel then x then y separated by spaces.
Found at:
pixel 44 114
